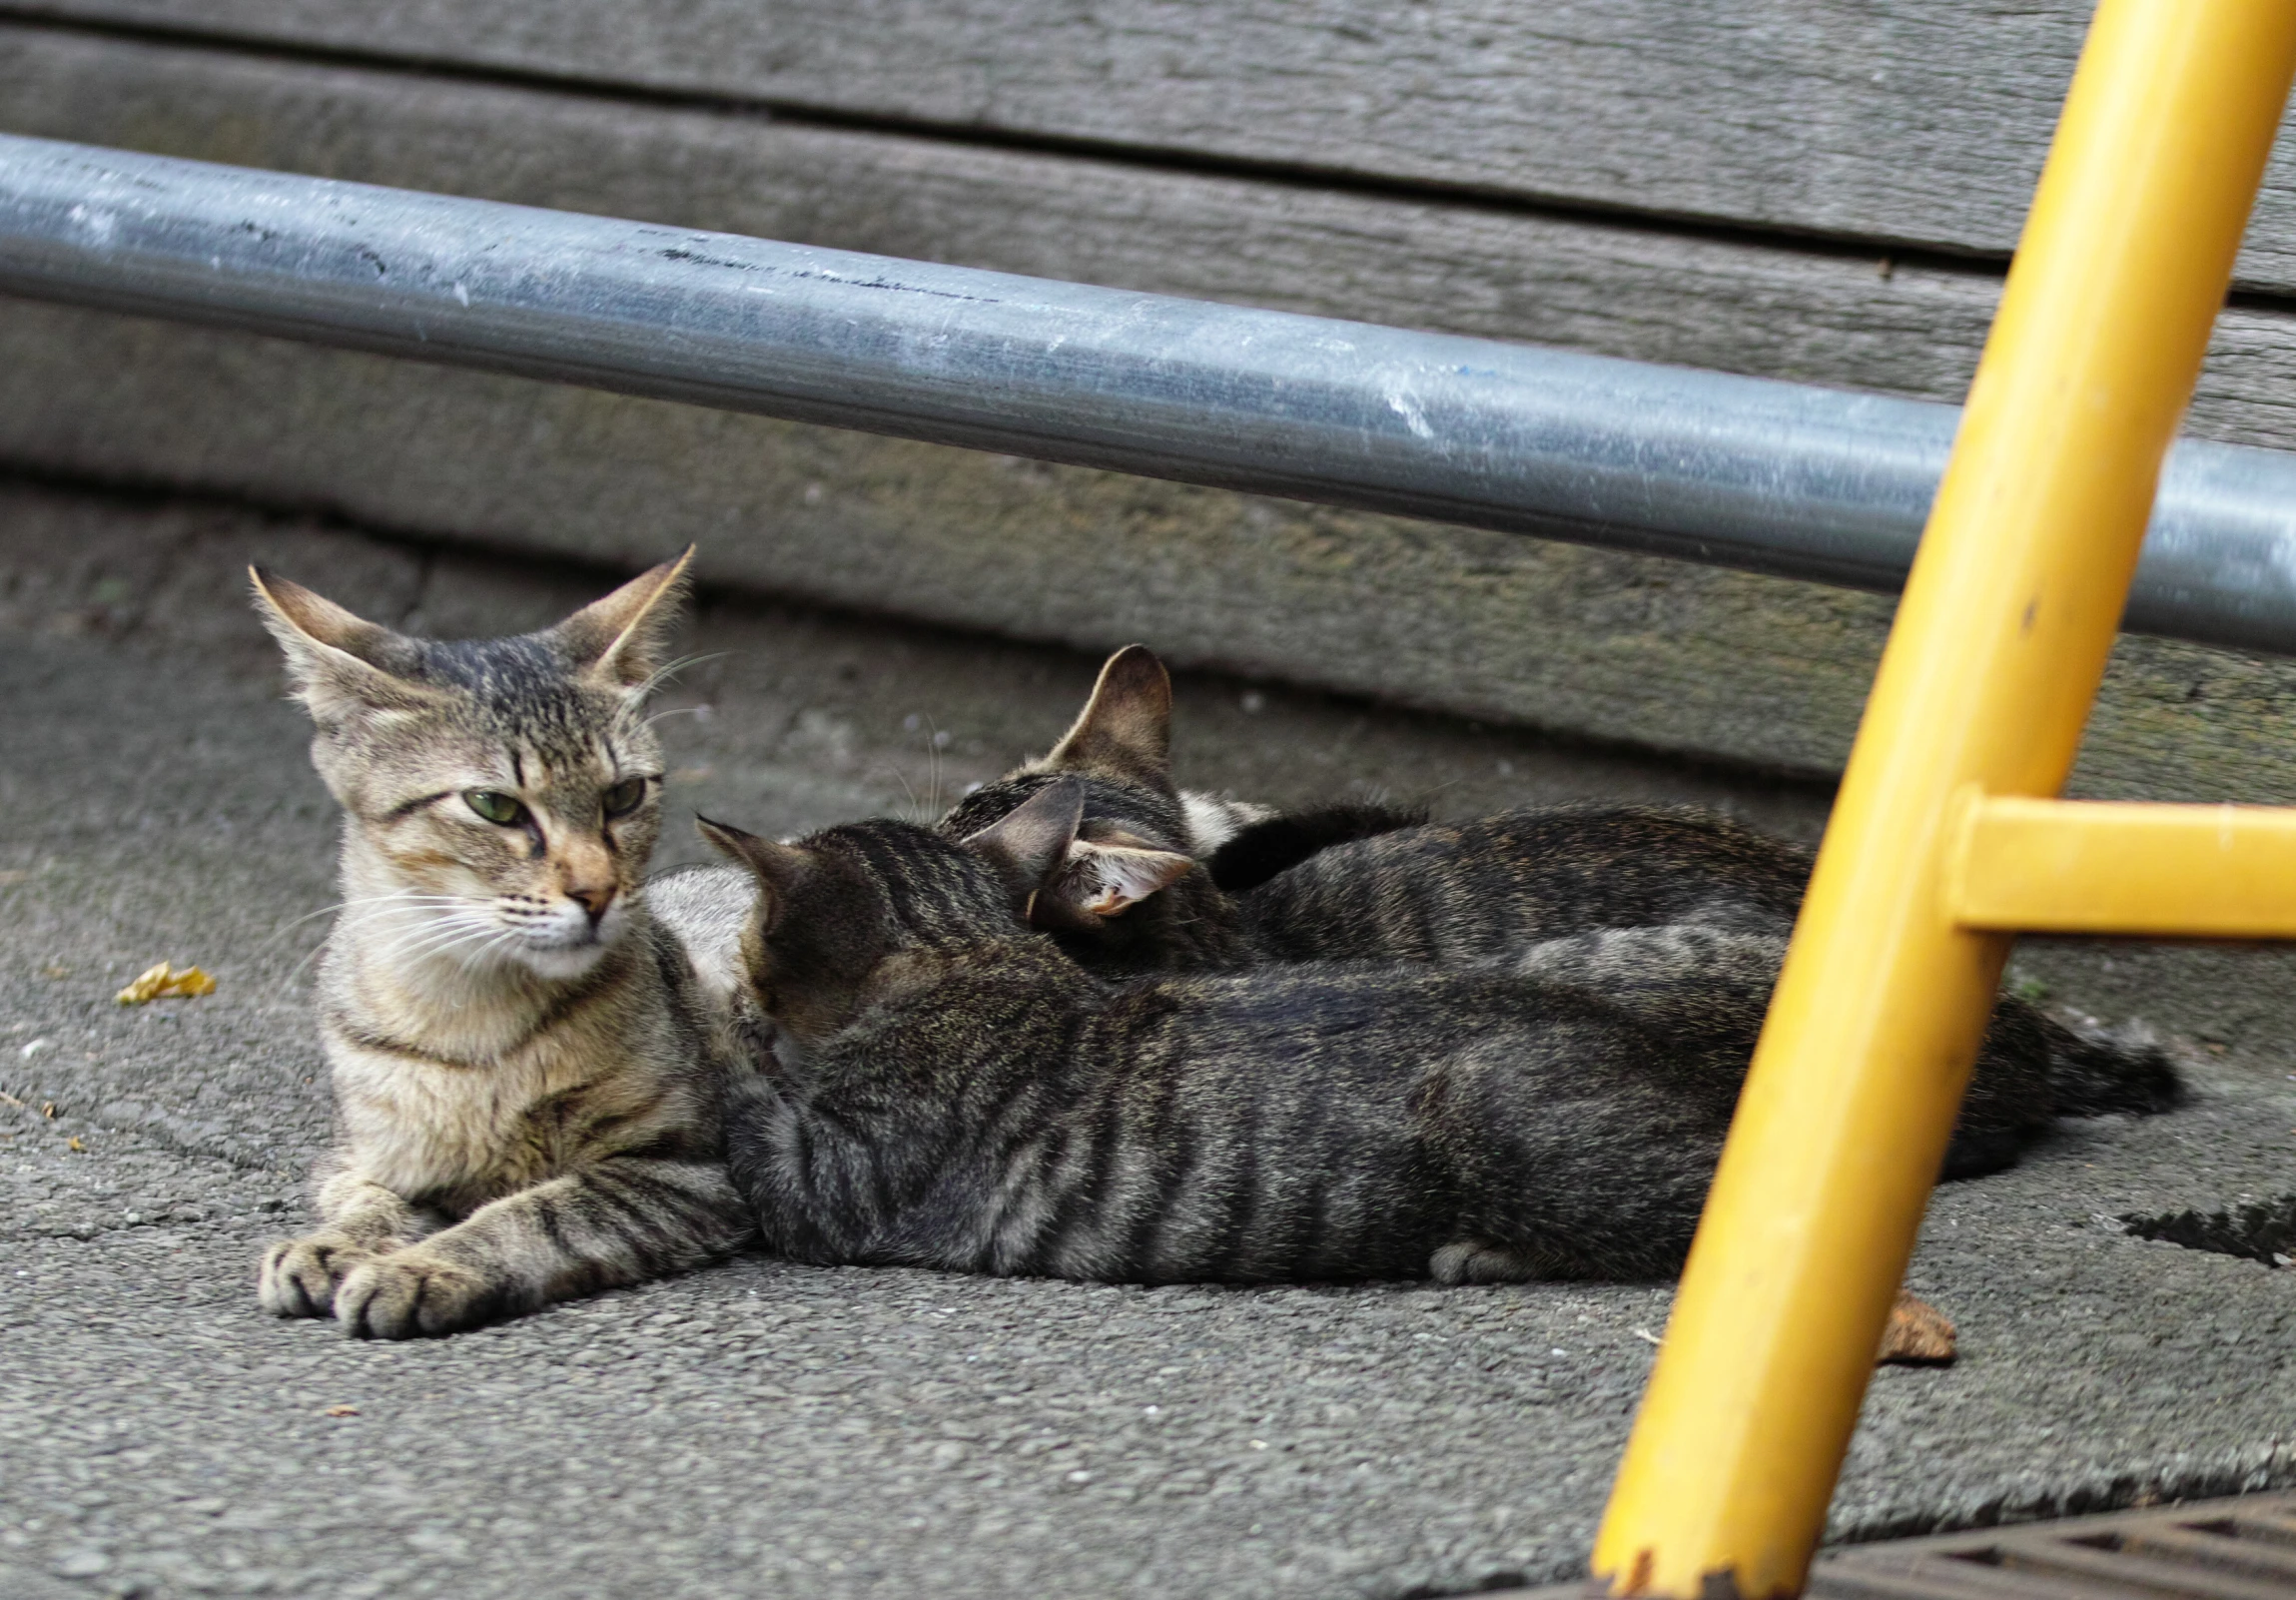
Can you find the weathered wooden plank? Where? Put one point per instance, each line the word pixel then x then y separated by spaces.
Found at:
pixel 1613 288
pixel 1708 663
pixel 1911 122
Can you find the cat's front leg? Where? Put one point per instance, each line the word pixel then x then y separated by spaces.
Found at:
pixel 300 1276
pixel 623 1220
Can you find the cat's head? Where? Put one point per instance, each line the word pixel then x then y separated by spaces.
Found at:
pixel 1139 834
pixel 1137 823
pixel 832 907
pixel 501 796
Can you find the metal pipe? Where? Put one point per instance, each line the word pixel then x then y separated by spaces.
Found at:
pixel 1746 472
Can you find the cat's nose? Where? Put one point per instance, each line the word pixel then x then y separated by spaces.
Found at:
pixel 592 900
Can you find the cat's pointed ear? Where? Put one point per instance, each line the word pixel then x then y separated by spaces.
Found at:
pixel 342 664
pixel 1125 727
pixel 1030 842
pixel 623 638
pixel 1098 880
pixel 777 867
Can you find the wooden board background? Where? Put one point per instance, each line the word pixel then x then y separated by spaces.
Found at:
pixel 1818 192
pixel 1910 122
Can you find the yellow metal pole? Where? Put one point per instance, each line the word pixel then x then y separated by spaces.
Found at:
pixel 1996 657
pixel 2089 866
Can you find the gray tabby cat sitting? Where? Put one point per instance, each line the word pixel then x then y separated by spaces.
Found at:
pixel 525 1083
pixel 935 1083
pixel 1140 890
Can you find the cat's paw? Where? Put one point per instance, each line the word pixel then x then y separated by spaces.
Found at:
pixel 1480 1261
pixel 300 1276
pixel 412 1293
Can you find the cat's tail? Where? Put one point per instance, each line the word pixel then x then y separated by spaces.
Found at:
pixel 2095 1072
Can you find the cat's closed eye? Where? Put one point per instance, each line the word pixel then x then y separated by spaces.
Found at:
pixel 495 806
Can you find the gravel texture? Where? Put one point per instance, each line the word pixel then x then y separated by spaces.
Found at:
pixel 765 1429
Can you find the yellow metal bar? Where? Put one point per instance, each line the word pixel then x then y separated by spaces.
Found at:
pixel 2073 866
pixel 1999 642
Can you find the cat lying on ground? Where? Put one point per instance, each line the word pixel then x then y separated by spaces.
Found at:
pixel 1136 894
pixel 1162 880
pixel 934 1083
pixel 525 1082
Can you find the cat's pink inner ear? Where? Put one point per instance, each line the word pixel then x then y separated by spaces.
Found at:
pixel 1102 881
pixel 297 615
pixel 340 661
pixel 1125 727
pixel 624 637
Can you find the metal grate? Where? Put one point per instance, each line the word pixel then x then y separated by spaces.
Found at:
pixel 2238 1549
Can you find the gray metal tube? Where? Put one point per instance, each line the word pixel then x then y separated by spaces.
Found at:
pixel 1737 471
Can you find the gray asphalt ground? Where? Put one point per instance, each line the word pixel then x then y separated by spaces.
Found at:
pixel 762 1429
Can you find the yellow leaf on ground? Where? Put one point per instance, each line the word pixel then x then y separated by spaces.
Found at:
pixel 163 981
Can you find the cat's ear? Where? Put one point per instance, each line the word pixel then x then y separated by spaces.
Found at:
pixel 341 664
pixel 1030 842
pixel 623 638
pixel 777 867
pixel 1125 727
pixel 1098 880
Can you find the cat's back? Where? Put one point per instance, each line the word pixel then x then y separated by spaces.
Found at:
pixel 1474 890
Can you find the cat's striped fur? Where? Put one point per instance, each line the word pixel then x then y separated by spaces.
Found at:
pixel 1139 892
pixel 525 1080
pixel 934 1083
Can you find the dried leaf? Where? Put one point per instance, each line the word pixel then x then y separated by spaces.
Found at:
pixel 163 981
pixel 341 1410
pixel 73 1144
pixel 1917 1334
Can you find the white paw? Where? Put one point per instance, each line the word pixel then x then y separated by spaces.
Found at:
pixel 299 1277
pixel 1479 1260
pixel 412 1293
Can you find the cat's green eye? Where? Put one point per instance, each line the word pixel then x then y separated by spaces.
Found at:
pixel 625 796
pixel 495 807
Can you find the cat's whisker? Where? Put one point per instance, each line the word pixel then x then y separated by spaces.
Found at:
pixel 403 895
pixel 432 941
pixel 296 971
pixel 901 778
pixel 413 942
pixel 461 952
pixel 662 674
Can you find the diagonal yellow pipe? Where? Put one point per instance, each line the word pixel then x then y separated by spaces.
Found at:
pixel 1987 682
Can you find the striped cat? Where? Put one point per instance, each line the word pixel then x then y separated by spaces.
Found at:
pixel 932 1082
pixel 1140 890
pixel 525 1082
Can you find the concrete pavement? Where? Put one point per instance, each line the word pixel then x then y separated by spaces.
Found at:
pixel 764 1429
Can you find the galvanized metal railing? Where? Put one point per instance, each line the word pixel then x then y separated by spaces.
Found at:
pixel 1736 471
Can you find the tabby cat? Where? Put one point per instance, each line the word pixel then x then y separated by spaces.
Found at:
pixel 1140 891
pixel 934 1083
pixel 525 1083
